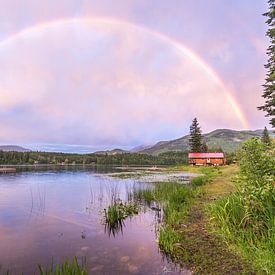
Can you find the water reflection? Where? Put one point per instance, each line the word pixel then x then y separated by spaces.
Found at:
pixel 60 214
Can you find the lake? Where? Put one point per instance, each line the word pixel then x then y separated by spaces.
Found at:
pixel 58 213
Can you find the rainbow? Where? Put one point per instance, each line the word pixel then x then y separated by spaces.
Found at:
pixel 26 33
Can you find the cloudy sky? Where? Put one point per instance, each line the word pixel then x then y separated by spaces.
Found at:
pixel 101 74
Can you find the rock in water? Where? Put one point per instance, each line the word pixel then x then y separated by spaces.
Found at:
pixel 132 268
pixel 124 259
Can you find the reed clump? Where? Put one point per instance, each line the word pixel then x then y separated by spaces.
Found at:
pixel 67 267
pixel 174 200
pixel 115 215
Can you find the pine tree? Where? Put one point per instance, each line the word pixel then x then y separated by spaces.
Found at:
pixel 265 137
pixel 269 86
pixel 204 147
pixel 195 140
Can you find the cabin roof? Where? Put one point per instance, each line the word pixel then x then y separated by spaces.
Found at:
pixel 205 155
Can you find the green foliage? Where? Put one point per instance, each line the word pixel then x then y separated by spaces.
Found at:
pixel 208 174
pixel 269 86
pixel 231 158
pixel 175 199
pixel 115 215
pixel 199 181
pixel 247 218
pixel 257 164
pixel 145 196
pixel 20 158
pixel 265 137
pixel 168 238
pixel 65 268
pixel 195 140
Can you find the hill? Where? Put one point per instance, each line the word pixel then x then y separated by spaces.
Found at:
pixel 228 140
pixel 140 148
pixel 13 148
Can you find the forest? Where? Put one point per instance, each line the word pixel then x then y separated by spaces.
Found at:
pixel 36 158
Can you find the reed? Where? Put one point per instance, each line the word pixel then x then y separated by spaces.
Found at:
pixel 115 215
pixel 168 240
pixel 67 267
pixel 175 200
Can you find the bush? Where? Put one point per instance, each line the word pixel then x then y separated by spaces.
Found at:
pixel 247 218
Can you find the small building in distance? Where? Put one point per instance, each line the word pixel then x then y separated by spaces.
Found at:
pixel 206 159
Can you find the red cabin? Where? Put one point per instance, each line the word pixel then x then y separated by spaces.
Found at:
pixel 206 159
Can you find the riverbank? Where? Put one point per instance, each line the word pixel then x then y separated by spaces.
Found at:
pixel 187 235
pixel 202 250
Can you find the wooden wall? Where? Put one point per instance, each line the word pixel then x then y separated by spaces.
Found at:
pixel 205 162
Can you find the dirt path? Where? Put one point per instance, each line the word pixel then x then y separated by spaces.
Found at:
pixel 200 250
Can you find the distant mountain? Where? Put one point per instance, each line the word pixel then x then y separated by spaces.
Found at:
pixel 228 140
pixel 14 148
pixel 140 148
pixel 111 152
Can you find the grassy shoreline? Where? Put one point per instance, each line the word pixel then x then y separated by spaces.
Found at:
pixel 187 234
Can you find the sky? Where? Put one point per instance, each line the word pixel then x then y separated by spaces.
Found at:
pixel 87 75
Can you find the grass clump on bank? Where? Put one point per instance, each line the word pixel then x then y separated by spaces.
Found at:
pixel 246 219
pixel 175 200
pixel 168 238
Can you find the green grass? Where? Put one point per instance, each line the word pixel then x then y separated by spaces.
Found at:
pixel 184 234
pixel 175 199
pixel 115 215
pixel 245 219
pixel 73 267
pixel 168 240
pixel 251 234
pixel 144 196
pixel 208 173
pixel 65 268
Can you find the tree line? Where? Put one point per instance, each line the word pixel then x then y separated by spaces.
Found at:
pixel 31 158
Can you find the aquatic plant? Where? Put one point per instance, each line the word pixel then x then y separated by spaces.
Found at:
pixel 65 268
pixel 175 201
pixel 144 196
pixel 115 215
pixel 168 240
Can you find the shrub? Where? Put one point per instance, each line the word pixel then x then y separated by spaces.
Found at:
pixel 247 218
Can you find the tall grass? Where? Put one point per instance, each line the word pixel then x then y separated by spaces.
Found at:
pixel 168 238
pixel 65 268
pixel 73 267
pixel 115 215
pixel 246 219
pixel 175 201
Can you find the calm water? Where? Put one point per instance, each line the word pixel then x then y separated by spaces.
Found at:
pixel 52 213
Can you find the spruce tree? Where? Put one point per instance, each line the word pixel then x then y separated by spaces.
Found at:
pixel 269 86
pixel 265 137
pixel 195 140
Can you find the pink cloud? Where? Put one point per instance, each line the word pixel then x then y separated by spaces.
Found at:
pixel 91 90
